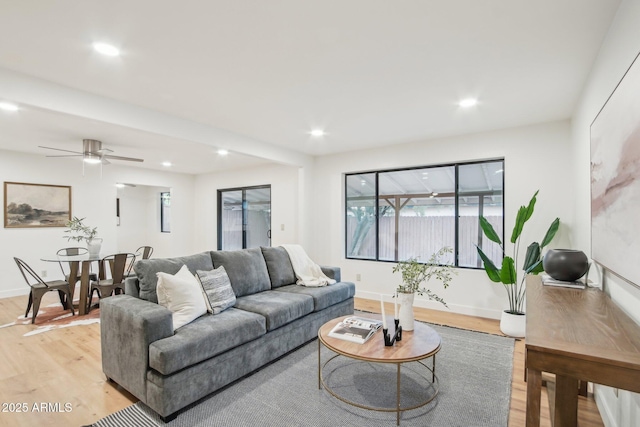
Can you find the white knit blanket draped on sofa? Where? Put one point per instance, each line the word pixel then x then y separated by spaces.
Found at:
pixel 307 272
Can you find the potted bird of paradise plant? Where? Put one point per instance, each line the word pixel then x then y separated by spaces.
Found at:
pixel 513 320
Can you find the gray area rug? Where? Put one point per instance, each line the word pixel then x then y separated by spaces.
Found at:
pixel 474 372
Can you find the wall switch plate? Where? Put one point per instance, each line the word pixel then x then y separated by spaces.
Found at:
pixel 281 227
pixel 44 273
pixel 358 277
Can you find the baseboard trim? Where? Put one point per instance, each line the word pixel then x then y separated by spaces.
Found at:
pixel 608 418
pixel 425 303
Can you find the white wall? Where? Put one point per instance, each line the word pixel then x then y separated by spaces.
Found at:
pixel 93 197
pixel 618 50
pixel 536 157
pixel 140 220
pixel 285 206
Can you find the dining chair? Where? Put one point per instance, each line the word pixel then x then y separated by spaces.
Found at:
pixel 119 266
pixel 71 252
pixel 40 287
pixel 144 252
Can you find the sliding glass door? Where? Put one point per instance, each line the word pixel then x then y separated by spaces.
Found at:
pixel 244 217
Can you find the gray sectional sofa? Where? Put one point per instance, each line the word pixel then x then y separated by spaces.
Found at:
pixel 169 370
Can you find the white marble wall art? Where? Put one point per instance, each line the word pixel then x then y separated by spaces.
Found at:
pixel 615 180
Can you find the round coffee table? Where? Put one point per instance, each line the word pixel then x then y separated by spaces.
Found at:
pixel 421 343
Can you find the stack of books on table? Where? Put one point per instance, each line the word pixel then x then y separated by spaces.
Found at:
pixel 356 329
pixel 550 281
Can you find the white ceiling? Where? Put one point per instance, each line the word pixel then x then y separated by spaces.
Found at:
pixel 369 72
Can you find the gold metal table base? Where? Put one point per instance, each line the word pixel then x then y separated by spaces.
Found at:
pixel 397 409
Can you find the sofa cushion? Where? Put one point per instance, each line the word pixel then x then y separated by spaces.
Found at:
pixel 204 338
pixel 246 269
pixel 146 270
pixel 324 296
pixel 217 289
pixel 279 266
pixel 278 308
pixel 182 295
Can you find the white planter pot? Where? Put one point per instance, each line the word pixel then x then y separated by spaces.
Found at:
pixel 513 325
pixel 405 312
pixel 94 246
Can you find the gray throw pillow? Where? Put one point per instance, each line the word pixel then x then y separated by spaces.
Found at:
pixel 279 266
pixel 217 289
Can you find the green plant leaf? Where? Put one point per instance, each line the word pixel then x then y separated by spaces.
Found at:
pixel 524 213
pixel 551 232
pixel 537 268
pixel 488 230
pixel 532 257
pixel 508 274
pixel 489 267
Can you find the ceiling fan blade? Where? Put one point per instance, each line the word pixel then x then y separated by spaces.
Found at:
pixel 129 159
pixel 59 149
pixel 105 161
pixel 103 151
pixel 67 155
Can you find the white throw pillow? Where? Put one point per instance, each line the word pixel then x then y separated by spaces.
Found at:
pixel 182 294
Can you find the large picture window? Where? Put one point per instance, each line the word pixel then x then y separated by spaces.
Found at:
pixel 394 215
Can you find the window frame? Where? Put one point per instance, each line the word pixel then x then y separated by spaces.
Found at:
pixel 456 197
pixel 244 218
pixel 163 196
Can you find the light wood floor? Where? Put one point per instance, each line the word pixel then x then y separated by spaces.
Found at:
pixel 63 367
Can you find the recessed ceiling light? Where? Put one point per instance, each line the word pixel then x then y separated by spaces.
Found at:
pixel 6 106
pixel 223 152
pixel 120 185
pixel 106 49
pixel 469 102
pixel 317 133
pixel 166 164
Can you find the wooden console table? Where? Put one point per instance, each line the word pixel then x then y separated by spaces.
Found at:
pixel 577 334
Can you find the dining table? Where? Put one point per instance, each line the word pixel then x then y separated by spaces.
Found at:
pixel 81 263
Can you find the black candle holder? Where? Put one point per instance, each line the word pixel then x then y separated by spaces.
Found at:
pixel 388 341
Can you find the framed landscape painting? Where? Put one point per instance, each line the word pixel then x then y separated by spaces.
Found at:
pixel 36 205
pixel 615 180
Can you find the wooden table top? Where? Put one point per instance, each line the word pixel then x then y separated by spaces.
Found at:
pixel 580 323
pixel 418 344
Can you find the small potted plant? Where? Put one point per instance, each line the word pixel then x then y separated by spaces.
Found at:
pixel 78 231
pixel 512 322
pixel 414 274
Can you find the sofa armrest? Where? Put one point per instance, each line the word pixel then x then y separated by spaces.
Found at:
pixel 132 286
pixel 332 272
pixel 127 326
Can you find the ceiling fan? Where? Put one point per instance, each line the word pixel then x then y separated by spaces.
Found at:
pixel 92 152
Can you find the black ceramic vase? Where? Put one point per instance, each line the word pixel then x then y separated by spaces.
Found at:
pixel 567 265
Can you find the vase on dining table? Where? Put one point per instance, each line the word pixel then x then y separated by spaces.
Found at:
pixel 94 245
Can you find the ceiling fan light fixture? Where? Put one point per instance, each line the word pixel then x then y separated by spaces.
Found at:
pixel 92 159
